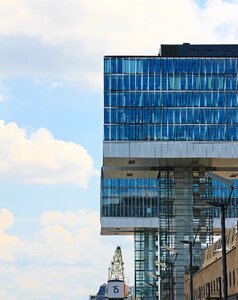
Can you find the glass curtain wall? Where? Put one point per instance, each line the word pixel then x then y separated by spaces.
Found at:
pixel 146 254
pixel 168 99
pixel 175 99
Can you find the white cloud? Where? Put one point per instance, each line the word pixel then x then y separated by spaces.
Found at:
pixel 9 245
pixel 3 93
pixel 70 219
pixel 67 39
pixel 39 158
pixel 66 259
pixel 55 85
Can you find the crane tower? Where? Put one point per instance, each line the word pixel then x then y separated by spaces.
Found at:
pixel 116 268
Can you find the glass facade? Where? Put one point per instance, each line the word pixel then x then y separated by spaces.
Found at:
pixel 221 193
pixel 170 99
pixel 146 253
pixel 124 197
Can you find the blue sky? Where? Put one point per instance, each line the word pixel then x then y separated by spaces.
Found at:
pixel 51 96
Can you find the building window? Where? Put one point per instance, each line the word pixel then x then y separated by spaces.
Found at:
pixel 234 278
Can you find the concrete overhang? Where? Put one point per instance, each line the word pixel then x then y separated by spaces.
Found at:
pixel 127 226
pixel 146 159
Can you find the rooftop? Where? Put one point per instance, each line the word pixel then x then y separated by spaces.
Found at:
pixel 206 50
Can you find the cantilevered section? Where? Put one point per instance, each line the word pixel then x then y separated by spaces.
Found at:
pixel 168 121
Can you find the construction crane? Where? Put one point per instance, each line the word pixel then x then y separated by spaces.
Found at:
pixel 116 268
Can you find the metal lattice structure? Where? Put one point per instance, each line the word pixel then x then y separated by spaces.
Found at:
pixel 116 268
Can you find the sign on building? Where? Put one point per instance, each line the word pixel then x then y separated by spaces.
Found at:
pixel 116 289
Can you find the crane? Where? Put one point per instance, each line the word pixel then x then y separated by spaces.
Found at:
pixel 116 268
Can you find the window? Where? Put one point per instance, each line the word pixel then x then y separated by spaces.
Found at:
pixel 234 278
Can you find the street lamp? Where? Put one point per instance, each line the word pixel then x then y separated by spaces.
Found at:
pixel 142 292
pixel 150 274
pixel 156 276
pixel 151 286
pixel 191 244
pixel 171 265
pixel 223 207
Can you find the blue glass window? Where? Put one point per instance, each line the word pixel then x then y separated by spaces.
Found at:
pixel 209 116
pixel 120 133
pixel 107 66
pixel 164 116
pixel 132 82
pixel 145 82
pixel 157 116
pixel 151 66
pixel 196 119
pixel 165 65
pixel 113 99
pixel 183 133
pixel 119 83
pixel 113 65
pixel 184 65
pixel 202 66
pixel 139 66
pixel 183 116
pixel 216 116
pixel 177 83
pixel 146 132
pixel 234 114
pixel 170 66
pixel 234 66
pixel 126 66
pixel 138 82
pixel 151 82
pixel 196 82
pixel 214 66
pixel 170 116
pixel 157 83
pixel 157 66
pixel 113 82
pixel 210 134
pixel 106 115
pixel 152 99
pixel 126 82
pixel 196 133
pixel 177 133
pixel 132 66
pixel 107 132
pixel 196 66
pixel 158 132
pixel 203 133
pixel 106 99
pixel 107 83
pixel 119 65
pixel 190 83
pixel 145 66
pixel 152 132
pixel 165 132
pixel 164 83
pixel 171 133
pixel 170 83
pixel 132 132
pixel 194 99
pixel 208 66
pixel 145 116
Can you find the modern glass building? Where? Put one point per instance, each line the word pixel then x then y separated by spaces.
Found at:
pixel 168 120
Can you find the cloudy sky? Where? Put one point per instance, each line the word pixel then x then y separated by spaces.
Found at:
pixel 51 57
